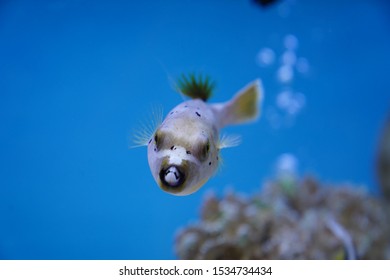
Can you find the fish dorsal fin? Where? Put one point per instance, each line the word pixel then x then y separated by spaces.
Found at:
pixel 195 86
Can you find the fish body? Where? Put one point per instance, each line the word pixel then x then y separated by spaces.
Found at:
pixel 183 152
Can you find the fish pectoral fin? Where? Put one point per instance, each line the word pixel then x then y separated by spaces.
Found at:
pixel 228 141
pixel 243 107
pixel 146 129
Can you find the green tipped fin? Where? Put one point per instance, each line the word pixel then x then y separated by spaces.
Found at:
pixel 195 86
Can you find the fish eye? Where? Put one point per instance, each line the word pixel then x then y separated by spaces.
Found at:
pixel 204 151
pixel 158 139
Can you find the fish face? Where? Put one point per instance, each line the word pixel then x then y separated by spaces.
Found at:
pixel 180 162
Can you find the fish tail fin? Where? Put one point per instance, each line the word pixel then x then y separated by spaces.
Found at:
pixel 195 86
pixel 243 107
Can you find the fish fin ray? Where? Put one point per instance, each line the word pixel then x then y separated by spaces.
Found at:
pixel 228 141
pixel 146 128
pixel 195 86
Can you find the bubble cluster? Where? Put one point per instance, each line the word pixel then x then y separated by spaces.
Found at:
pixel 289 61
pixel 288 102
pixel 291 102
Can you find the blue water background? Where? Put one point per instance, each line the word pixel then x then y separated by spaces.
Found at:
pixel 76 77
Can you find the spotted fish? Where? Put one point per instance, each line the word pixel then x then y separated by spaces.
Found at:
pixel 184 149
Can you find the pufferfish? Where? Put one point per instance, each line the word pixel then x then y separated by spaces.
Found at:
pixel 184 149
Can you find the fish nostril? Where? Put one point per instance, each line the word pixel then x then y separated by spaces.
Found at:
pixel 171 176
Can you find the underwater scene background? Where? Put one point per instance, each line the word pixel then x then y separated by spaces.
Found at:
pixel 77 78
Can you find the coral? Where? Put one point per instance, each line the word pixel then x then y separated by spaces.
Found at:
pixel 289 219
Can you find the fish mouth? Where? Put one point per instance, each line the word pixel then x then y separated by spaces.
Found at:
pixel 172 178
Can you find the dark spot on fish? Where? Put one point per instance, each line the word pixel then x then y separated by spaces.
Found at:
pixel 155 149
pixel 150 140
pixel 172 147
pixel 171 113
pixel 188 152
pixel 210 163
pixel 197 114
pixel 185 106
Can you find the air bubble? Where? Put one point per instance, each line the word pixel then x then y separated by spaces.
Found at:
pixel 265 57
pixel 302 65
pixel 287 164
pixel 291 42
pixel 289 58
pixel 285 73
pixel 291 103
